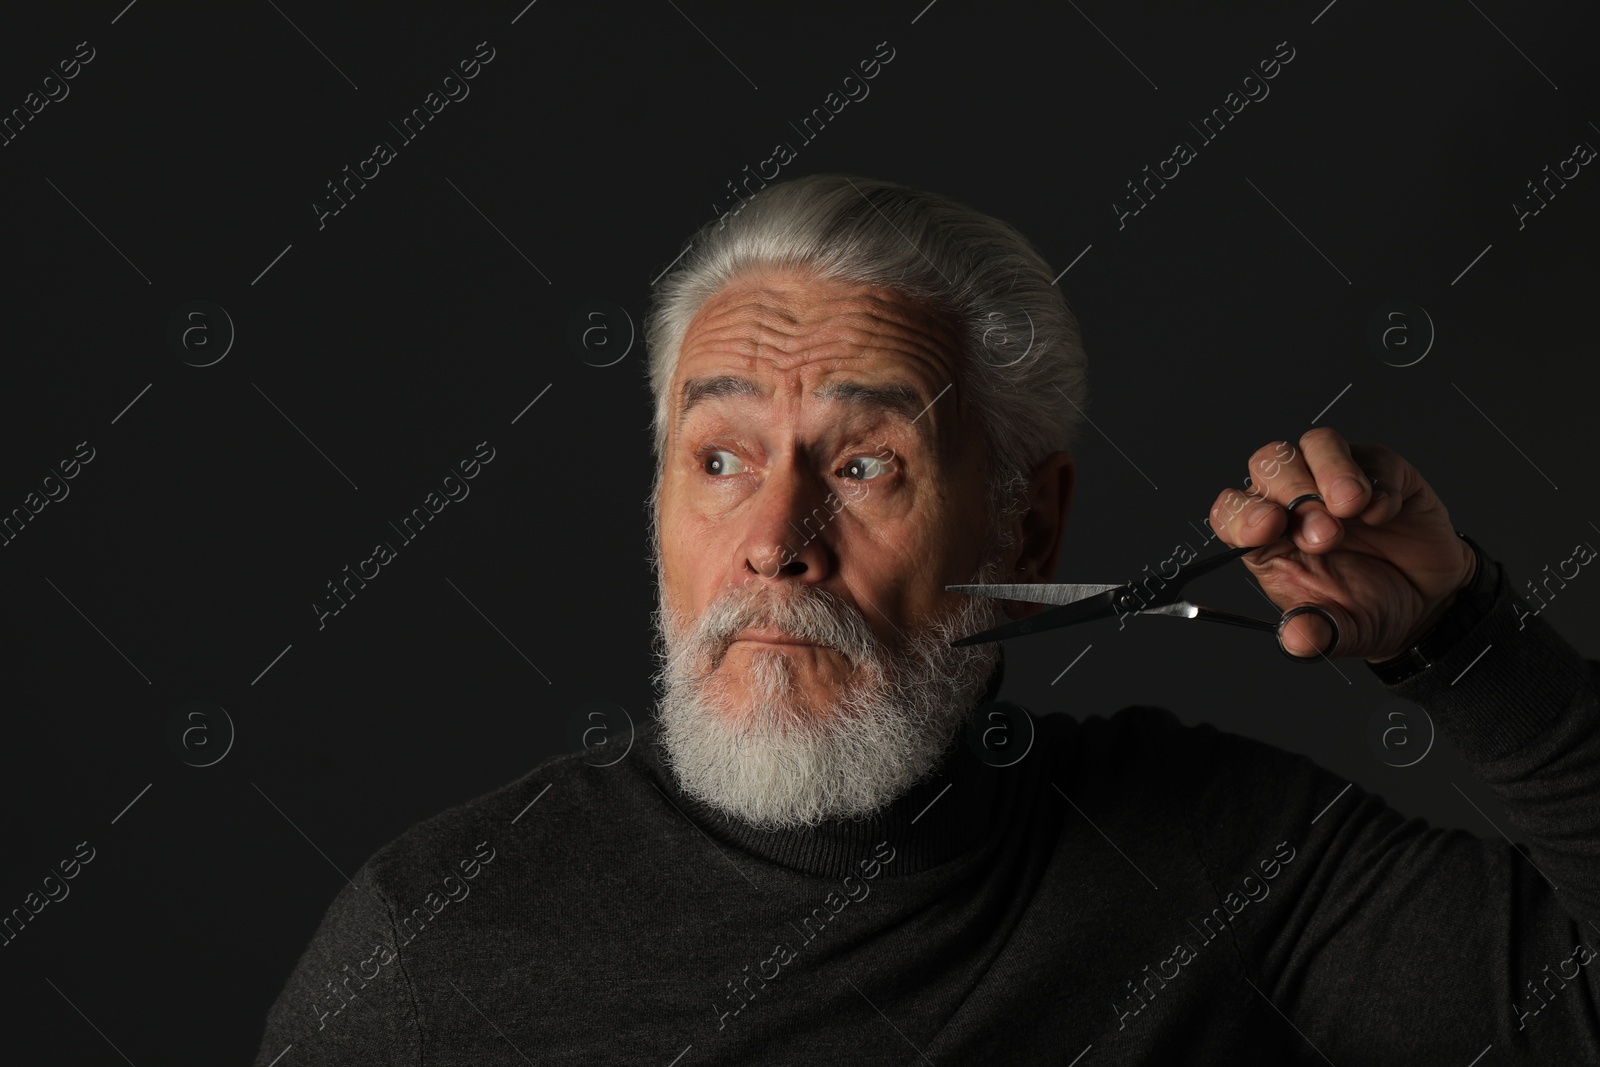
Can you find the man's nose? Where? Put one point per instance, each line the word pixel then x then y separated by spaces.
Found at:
pixel 791 527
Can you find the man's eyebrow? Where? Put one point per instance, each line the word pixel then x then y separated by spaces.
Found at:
pixel 896 398
pixel 902 400
pixel 697 389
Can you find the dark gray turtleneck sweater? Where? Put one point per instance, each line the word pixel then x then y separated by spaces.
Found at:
pixel 1134 891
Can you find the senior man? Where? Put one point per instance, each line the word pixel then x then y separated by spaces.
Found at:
pixel 864 393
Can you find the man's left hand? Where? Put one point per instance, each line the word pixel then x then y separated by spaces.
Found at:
pixel 1385 561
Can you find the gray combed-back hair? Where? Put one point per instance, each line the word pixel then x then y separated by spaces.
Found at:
pixel 1022 364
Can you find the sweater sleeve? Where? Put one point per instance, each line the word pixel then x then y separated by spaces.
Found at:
pixel 1384 940
pixel 349 999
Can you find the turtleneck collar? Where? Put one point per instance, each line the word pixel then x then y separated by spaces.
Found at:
pixel 938 819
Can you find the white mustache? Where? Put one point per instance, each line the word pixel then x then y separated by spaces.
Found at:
pixel 811 615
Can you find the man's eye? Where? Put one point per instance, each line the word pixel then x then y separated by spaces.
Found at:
pixel 864 468
pixel 721 463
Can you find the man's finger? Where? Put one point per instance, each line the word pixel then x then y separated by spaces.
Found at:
pixel 1345 488
pixel 1278 476
pixel 1396 480
pixel 1244 519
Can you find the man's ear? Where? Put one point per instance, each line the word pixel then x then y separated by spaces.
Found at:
pixel 1040 529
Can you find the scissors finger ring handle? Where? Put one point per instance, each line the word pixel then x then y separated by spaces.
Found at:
pixel 1333 626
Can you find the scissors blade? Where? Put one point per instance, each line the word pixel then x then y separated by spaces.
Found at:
pixel 1035 592
pixel 1099 606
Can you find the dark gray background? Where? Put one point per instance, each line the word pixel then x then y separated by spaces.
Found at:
pixel 417 323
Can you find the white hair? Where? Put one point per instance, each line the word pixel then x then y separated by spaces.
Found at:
pixel 1022 366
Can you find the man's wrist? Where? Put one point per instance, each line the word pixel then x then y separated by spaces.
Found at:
pixel 1433 618
pixel 1447 623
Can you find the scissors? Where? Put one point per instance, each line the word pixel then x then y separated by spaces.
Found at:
pixel 1081 603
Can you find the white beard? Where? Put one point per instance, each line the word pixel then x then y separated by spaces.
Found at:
pixel 775 763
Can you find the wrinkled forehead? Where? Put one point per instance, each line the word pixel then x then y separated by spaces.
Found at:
pixel 787 333
pixel 791 311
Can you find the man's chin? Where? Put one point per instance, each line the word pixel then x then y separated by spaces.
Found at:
pixel 817 671
pixel 739 704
